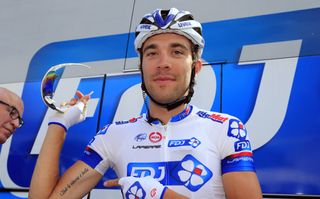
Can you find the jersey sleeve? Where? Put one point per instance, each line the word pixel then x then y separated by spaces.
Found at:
pixel 96 154
pixel 235 147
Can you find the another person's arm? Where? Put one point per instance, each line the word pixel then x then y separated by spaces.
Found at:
pixel 241 185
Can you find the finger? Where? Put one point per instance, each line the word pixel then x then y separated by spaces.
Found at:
pixel 79 94
pixel 73 101
pixel 89 94
pixel 111 183
pixel 63 104
pixel 86 98
pixel 82 97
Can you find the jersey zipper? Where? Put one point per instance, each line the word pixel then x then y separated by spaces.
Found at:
pixel 166 134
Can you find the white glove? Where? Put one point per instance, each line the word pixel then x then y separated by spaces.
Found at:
pixel 144 188
pixel 72 115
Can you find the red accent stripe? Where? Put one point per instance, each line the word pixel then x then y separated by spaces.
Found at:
pixel 240 154
pixel 88 149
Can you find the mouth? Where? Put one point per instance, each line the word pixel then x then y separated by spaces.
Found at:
pixel 163 78
pixel 7 132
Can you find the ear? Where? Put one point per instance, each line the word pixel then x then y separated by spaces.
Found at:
pixel 198 66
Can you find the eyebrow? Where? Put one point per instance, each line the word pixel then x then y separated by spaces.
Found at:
pixel 11 106
pixel 151 46
pixel 172 45
pixel 179 45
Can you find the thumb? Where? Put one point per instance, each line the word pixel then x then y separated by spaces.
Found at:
pixel 86 98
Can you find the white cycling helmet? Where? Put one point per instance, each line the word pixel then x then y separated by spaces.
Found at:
pixel 169 21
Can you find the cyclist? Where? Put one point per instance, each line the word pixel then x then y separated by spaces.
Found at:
pixel 175 150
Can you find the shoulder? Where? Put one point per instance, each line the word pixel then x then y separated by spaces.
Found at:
pixel 212 116
pixel 119 125
pixel 129 121
pixel 232 125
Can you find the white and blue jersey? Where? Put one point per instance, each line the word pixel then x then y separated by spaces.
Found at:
pixel 188 155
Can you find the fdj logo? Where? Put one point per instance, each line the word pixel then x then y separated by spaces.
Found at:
pixel 193 142
pixel 176 143
pixel 188 172
pixel 155 170
pixel 242 145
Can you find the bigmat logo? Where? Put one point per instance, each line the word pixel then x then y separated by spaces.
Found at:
pixel 268 94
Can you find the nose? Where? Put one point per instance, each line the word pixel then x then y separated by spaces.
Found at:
pixel 15 123
pixel 164 61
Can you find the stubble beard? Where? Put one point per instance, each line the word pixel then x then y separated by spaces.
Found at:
pixel 167 94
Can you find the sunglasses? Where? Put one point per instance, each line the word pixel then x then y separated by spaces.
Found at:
pixel 14 113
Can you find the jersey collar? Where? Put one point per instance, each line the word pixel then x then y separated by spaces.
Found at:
pixel 180 116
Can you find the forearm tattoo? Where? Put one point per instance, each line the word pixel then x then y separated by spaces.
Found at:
pixel 73 182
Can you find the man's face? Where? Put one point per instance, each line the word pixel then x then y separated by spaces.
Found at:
pixel 166 65
pixel 7 124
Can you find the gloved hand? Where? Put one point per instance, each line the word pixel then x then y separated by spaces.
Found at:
pixel 144 188
pixel 72 115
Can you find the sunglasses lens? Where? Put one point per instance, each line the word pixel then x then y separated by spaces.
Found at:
pixel 50 81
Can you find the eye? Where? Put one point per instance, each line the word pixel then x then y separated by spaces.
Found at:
pixel 9 109
pixel 14 113
pixel 178 52
pixel 150 53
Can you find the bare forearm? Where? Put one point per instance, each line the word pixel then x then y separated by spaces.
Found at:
pixel 241 185
pixel 46 173
pixel 172 194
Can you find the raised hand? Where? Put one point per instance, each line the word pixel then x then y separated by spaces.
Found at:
pixel 74 111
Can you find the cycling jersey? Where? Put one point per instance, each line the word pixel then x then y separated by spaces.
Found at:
pixel 188 155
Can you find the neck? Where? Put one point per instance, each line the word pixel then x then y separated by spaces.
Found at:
pixel 162 113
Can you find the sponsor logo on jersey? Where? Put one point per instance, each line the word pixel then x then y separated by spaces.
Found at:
pixel 121 122
pixel 242 145
pixel 155 137
pixel 188 172
pixel 153 192
pixel 193 142
pixel 237 129
pixel 213 117
pixel 146 146
pixel 132 120
pixel 140 137
pixel 154 169
pixel 192 173
pixel 136 191
pixel 242 161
